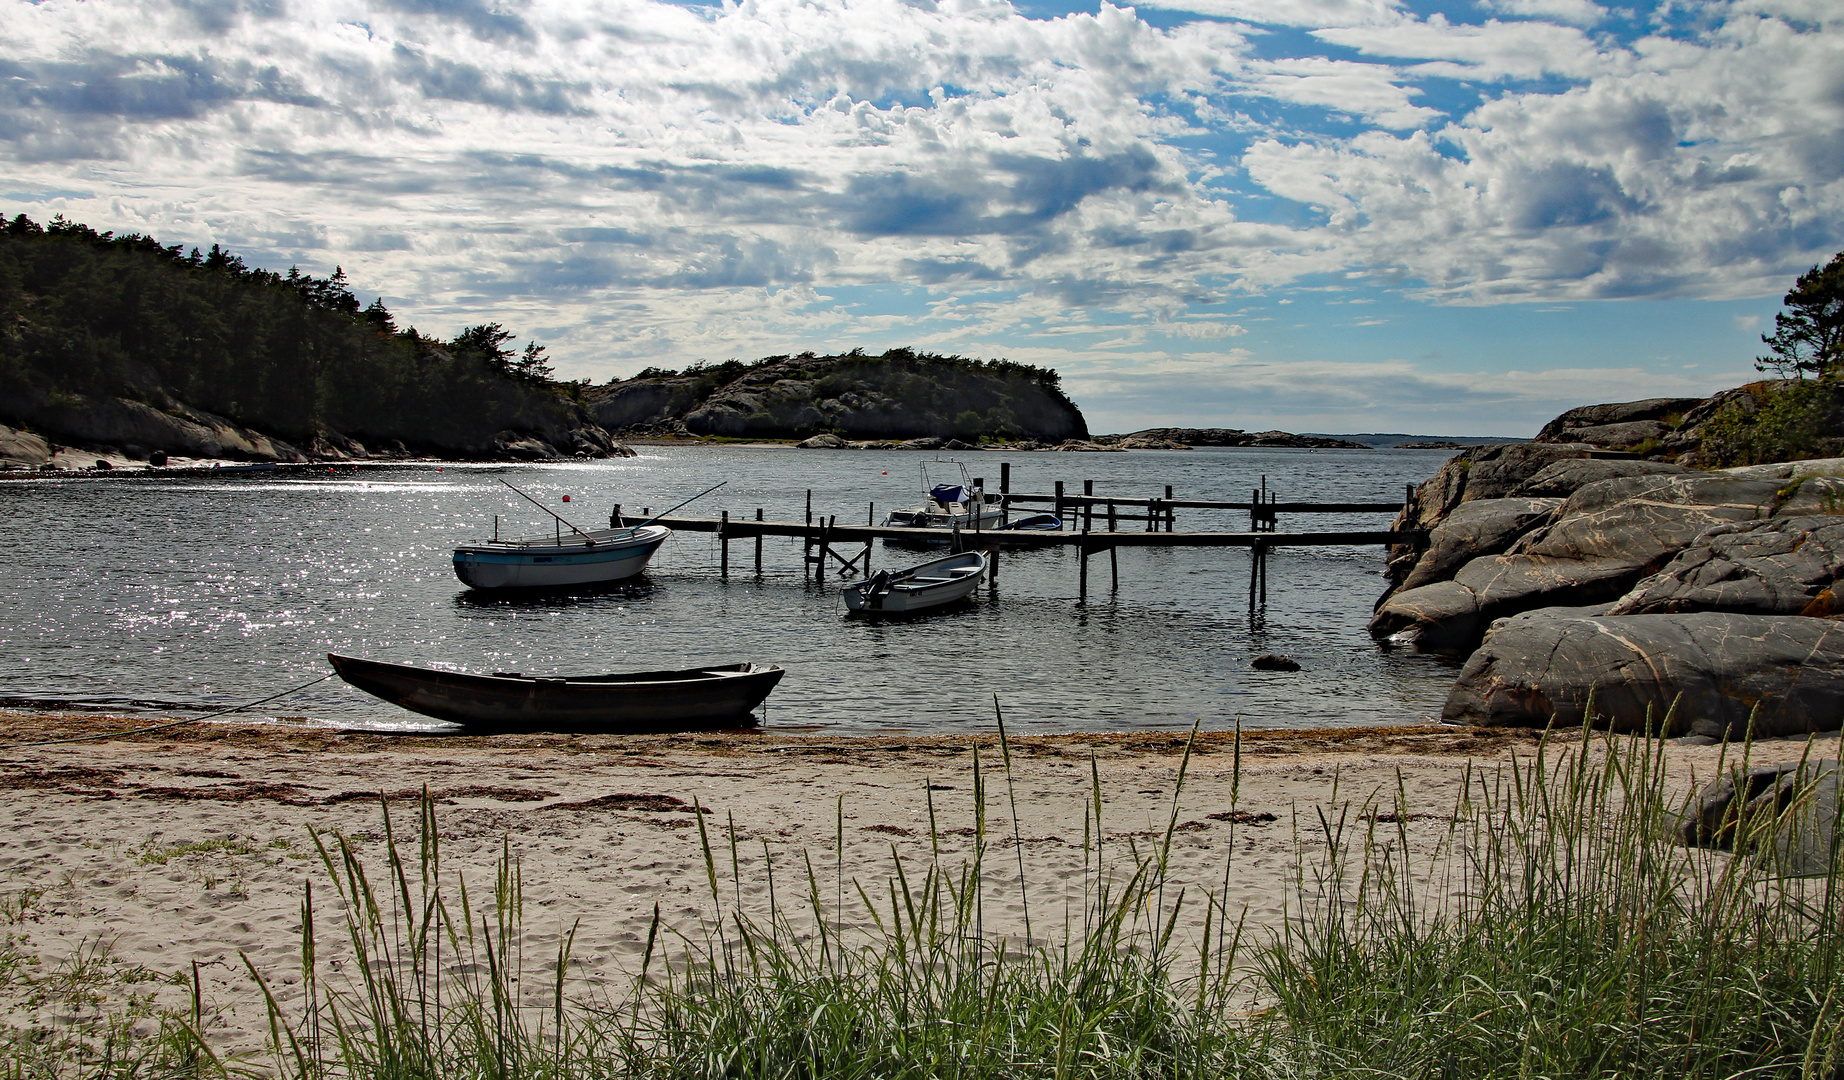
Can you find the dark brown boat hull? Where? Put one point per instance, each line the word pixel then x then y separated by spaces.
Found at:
pixel 637 703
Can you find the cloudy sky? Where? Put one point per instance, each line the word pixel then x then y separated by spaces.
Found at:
pixel 1323 215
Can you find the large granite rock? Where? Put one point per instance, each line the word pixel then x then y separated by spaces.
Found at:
pixel 1561 479
pixel 1718 670
pixel 1475 529
pixel 23 447
pixel 1789 470
pixel 1781 566
pixel 1604 539
pixel 1620 425
pixel 1786 812
pixel 1490 471
pixel 177 429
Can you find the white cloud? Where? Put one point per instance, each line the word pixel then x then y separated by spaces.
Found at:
pixel 1494 51
pixel 652 183
pixel 1578 12
pixel 1292 12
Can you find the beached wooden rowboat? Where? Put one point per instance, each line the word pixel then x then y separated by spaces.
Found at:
pixel 631 703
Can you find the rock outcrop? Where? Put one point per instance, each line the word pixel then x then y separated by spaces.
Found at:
pixel 900 395
pixel 1781 566
pixel 1601 541
pixel 1619 426
pixel 23 447
pixel 1709 672
pixel 1571 572
pixel 138 428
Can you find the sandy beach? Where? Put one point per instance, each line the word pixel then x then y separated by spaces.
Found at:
pixel 128 860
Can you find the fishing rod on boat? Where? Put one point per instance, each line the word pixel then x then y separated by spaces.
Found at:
pixel 682 505
pixel 547 510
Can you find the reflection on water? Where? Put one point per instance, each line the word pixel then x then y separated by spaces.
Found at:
pixel 204 593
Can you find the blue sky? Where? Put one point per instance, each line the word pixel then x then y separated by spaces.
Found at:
pixel 1327 215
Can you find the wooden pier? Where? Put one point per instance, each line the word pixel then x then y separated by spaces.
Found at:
pixel 1092 524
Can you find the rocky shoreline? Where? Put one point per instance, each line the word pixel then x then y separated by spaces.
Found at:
pixel 1582 582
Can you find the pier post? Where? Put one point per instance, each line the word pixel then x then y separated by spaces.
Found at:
pixel 614 517
pixel 723 545
pixel 758 544
pixel 1264 577
pixel 1088 508
pixel 825 553
pixel 806 536
pixel 1082 574
pixel 1005 478
pixel 1112 522
pixel 1114 567
pixel 1169 512
pixel 1254 570
pixel 992 568
pixel 1059 501
pixel 1254 509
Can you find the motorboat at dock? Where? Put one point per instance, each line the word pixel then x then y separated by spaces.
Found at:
pixel 949 506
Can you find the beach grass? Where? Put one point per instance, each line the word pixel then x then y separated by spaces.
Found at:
pixel 1548 924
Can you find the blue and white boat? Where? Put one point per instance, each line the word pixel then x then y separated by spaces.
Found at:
pixel 584 558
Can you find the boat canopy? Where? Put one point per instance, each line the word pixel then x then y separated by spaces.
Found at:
pixel 947 493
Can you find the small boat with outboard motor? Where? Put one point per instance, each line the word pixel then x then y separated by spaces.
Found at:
pixel 583 557
pixel 919 588
pixel 717 695
pixel 949 506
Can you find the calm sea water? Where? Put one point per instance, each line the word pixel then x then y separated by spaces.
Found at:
pixel 196 594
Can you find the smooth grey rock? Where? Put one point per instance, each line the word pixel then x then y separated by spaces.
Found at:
pixel 1789 470
pixel 23 447
pixel 1564 478
pixel 1601 542
pixel 1622 436
pixel 1473 530
pixel 1442 617
pixel 1791 805
pixel 823 442
pixel 927 443
pixel 1571 426
pixel 1811 495
pixel 1781 566
pixel 1717 668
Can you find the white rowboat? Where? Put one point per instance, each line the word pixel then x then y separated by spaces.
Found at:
pixel 931 585
pixel 549 562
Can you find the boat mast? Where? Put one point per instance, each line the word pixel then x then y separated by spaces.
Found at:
pixel 544 508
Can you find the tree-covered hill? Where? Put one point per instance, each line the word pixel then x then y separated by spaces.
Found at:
pixel 898 395
pixel 108 339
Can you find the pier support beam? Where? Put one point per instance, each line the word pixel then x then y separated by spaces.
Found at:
pixel 723 545
pixel 758 545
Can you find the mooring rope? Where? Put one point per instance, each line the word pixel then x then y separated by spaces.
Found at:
pixel 172 723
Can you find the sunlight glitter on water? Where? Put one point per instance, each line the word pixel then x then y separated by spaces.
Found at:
pixel 203 594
